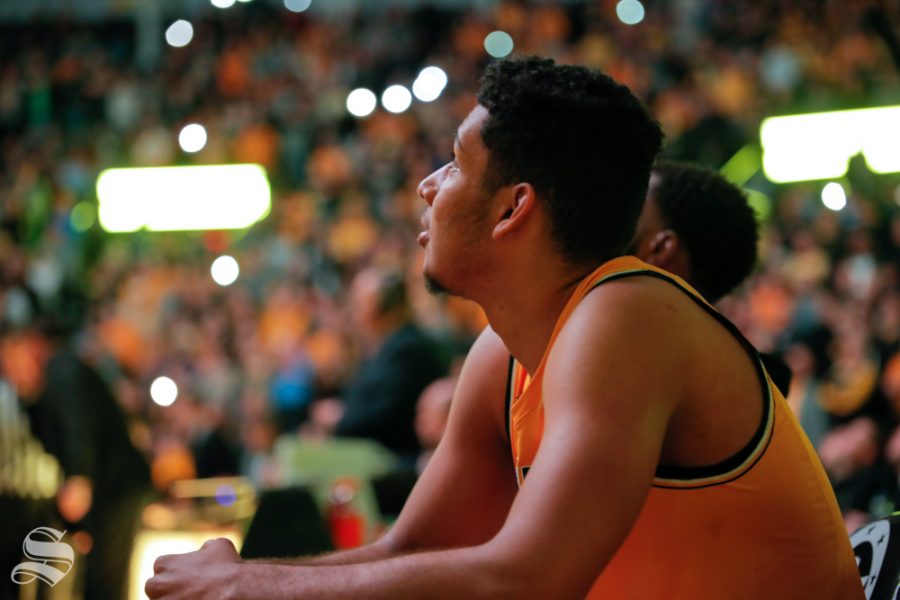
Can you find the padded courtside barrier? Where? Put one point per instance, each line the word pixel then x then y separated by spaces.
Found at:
pixel 877 549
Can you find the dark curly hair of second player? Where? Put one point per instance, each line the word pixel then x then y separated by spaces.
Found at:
pixel 695 202
pixel 585 143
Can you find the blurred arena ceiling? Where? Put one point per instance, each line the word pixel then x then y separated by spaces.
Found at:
pixel 95 10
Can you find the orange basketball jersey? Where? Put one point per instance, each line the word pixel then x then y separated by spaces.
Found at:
pixel 762 524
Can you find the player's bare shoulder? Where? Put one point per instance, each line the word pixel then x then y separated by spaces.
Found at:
pixel 639 314
pixel 483 380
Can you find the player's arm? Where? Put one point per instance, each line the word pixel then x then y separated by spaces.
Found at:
pixel 460 501
pixel 608 398
pixel 611 386
pixel 464 494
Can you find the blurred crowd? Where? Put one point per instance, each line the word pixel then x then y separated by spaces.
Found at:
pixel 275 353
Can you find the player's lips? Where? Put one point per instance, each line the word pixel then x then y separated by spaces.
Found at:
pixel 423 236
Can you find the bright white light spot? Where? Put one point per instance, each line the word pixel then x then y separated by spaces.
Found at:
pixel 833 196
pixel 498 44
pixel 881 141
pixel 361 102
pixel 192 138
pixel 396 99
pixel 180 33
pixel 194 198
pixel 245 1
pixel 222 3
pixel 820 145
pixel 630 12
pixel 163 391
pixel 297 6
pixel 429 84
pixel 225 270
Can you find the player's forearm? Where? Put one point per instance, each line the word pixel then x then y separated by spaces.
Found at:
pixel 465 572
pixel 380 550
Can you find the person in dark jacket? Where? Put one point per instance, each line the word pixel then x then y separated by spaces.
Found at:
pixel 400 360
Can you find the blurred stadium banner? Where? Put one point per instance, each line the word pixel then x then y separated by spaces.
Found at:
pixel 183 198
pixel 820 145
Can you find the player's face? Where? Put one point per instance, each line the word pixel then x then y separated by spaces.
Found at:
pixel 455 224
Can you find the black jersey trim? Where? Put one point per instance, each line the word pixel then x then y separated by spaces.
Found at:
pixel 510 391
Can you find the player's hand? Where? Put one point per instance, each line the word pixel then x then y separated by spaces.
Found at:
pixel 206 573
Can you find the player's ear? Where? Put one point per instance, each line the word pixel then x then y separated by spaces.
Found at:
pixel 517 203
pixel 662 249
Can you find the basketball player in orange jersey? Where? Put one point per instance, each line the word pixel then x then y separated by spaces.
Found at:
pixel 651 456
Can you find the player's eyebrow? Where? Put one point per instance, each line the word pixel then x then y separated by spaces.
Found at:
pixel 457 144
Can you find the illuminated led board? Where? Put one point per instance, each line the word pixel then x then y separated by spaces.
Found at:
pixel 820 145
pixel 183 198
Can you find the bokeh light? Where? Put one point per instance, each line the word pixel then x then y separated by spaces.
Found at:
pixel 222 3
pixel 192 137
pixel 297 6
pixel 396 99
pixel 83 216
pixel 163 391
pixel 498 44
pixel 180 33
pixel 226 495
pixel 630 12
pixel 429 84
pixel 361 102
pixel 225 270
pixel 833 196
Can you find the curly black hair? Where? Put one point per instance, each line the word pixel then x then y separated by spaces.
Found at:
pixel 585 143
pixel 713 220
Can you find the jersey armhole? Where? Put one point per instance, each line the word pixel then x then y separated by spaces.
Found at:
pixel 743 460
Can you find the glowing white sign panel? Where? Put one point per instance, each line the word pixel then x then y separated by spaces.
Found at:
pixel 820 145
pixel 183 198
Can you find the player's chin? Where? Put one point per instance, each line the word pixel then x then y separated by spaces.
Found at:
pixel 433 284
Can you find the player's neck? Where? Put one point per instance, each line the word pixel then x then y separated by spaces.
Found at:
pixel 525 311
